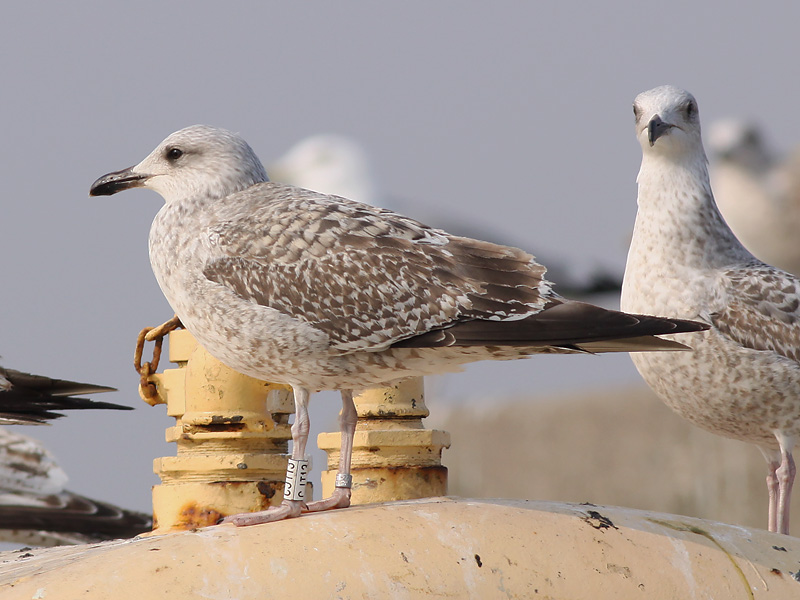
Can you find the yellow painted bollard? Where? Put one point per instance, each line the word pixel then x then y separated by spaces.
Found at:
pixel 394 456
pixel 231 434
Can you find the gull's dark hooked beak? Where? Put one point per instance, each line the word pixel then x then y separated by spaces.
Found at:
pixel 656 128
pixel 117 181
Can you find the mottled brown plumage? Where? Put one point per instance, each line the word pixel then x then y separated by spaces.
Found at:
pixel 761 309
pixel 320 292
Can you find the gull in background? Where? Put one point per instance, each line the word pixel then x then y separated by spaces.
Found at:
pixel 35 507
pixel 338 165
pixel 742 379
pixel 758 191
pixel 37 510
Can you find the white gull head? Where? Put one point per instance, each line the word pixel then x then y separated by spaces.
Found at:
pixel 668 125
pixel 676 205
pixel 329 164
pixel 198 161
pixel 741 143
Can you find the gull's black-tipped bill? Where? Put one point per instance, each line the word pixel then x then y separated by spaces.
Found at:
pixel 111 183
pixel 656 128
pixel 32 399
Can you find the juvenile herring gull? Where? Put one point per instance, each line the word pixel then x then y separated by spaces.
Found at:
pixel 742 379
pixel 319 292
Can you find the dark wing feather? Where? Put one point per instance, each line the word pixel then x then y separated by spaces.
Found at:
pixel 760 309
pixel 26 398
pixel 67 512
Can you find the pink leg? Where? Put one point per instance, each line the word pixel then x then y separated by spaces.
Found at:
pixel 785 475
pixel 773 462
pixel 288 508
pixel 347 424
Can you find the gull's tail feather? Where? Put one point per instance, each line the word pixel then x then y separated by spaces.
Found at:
pixel 564 324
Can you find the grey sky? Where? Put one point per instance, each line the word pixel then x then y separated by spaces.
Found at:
pixel 518 114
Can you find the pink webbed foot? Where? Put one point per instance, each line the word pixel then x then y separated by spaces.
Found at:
pixel 339 499
pixel 288 509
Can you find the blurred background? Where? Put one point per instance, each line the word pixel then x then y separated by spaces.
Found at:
pixel 511 119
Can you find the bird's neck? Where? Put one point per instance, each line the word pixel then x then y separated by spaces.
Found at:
pixel 677 213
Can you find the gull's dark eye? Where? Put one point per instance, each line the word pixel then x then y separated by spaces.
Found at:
pixel 691 109
pixel 174 154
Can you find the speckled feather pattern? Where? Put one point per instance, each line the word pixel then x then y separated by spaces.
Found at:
pixel 355 272
pixel 743 378
pixel 322 310
pixel 320 292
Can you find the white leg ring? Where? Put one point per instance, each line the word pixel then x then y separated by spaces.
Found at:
pixel 296 478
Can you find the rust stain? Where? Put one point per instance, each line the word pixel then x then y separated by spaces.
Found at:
pixel 193 516
pixel 220 420
pixel 220 423
pixel 268 488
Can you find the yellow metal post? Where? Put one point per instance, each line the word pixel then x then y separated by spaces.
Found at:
pixel 394 456
pixel 231 434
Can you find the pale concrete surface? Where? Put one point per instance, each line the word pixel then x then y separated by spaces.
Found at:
pixel 622 447
pixel 434 548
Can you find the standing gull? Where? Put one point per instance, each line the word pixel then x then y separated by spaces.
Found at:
pixel 319 292
pixel 742 379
